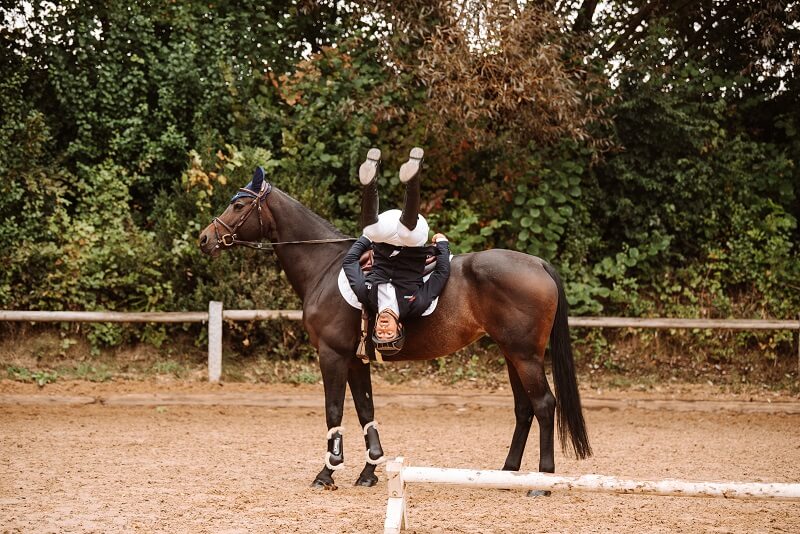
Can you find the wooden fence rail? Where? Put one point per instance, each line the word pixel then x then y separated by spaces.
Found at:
pixel 666 323
pixel 216 314
pixel 143 317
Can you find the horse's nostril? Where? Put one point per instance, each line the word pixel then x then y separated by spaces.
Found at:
pixel 203 240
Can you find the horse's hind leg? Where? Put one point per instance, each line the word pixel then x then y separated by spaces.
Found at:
pixel 528 379
pixel 523 411
pixel 361 387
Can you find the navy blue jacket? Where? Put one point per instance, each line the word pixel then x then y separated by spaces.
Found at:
pixel 403 267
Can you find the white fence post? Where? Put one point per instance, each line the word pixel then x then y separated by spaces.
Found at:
pixel 214 341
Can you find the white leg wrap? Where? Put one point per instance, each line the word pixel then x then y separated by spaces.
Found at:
pixel 331 466
pixel 382 459
pixel 331 432
pixel 379 461
pixel 371 424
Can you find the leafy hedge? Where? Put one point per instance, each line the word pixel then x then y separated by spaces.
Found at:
pixel 125 128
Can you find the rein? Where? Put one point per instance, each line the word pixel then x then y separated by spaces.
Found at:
pixel 229 239
pixel 267 245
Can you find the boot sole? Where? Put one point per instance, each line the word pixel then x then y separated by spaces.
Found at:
pixel 410 168
pixel 369 169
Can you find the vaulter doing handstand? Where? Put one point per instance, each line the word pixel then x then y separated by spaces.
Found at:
pixel 394 290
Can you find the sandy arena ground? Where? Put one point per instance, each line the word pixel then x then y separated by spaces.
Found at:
pixel 105 458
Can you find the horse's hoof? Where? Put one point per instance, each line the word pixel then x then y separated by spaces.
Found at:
pixel 539 493
pixel 324 485
pixel 366 481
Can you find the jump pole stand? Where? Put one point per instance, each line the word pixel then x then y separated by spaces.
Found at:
pixel 399 475
pixel 396 517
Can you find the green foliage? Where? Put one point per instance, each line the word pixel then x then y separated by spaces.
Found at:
pixel 710 208
pixel 92 372
pixel 126 128
pixel 90 255
pixel 304 377
pixel 546 199
pixel 325 132
pixel 464 227
pixel 169 367
pixel 40 377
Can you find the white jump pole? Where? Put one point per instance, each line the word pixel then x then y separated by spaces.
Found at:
pixel 398 475
pixel 214 341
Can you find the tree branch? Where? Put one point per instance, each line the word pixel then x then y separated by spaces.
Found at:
pixel 630 27
pixel 585 14
pixel 645 13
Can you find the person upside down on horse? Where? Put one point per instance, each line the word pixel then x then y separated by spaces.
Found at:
pixel 394 290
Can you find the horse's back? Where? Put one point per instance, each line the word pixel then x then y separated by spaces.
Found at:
pixel 499 274
pixel 487 291
pixel 497 263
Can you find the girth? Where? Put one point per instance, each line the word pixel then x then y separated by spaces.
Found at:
pixel 366 348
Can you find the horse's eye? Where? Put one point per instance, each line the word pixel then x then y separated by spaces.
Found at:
pixel 238 206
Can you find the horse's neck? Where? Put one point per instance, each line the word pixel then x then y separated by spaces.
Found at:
pixel 303 264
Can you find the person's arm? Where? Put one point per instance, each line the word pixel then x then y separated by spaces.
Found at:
pixel 352 268
pixel 435 284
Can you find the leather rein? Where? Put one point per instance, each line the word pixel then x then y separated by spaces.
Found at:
pixel 229 239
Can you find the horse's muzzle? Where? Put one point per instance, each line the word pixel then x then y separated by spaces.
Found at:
pixel 207 243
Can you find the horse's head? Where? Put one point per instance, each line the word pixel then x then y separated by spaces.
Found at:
pixel 246 219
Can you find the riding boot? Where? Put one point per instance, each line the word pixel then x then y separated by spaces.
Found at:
pixel 409 175
pixel 411 205
pixel 369 204
pixel 367 175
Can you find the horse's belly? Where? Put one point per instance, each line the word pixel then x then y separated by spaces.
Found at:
pixel 445 331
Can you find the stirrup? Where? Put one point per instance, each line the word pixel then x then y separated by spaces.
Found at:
pixel 410 168
pixel 369 169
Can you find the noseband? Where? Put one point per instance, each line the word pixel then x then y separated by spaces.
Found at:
pixel 229 239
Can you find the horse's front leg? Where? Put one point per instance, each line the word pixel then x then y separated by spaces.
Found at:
pixel 333 365
pixel 361 388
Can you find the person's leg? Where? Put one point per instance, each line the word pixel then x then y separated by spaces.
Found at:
pixel 367 175
pixel 416 237
pixel 409 175
pixel 384 230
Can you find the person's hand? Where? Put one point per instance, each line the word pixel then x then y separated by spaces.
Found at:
pixel 437 237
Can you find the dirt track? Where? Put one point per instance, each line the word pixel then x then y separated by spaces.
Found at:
pixel 231 468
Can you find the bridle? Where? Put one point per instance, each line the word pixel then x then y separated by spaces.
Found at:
pixel 229 239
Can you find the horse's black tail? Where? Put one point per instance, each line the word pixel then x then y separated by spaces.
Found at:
pixel 570 414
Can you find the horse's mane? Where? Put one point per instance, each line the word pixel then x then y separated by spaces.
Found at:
pixel 307 211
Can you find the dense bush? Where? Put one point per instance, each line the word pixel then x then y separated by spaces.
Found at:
pixel 656 167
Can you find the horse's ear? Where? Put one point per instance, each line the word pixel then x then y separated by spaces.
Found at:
pixel 258 179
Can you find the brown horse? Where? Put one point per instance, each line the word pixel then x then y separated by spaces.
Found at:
pixel 516 299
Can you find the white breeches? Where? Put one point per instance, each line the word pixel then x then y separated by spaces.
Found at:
pixel 390 230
